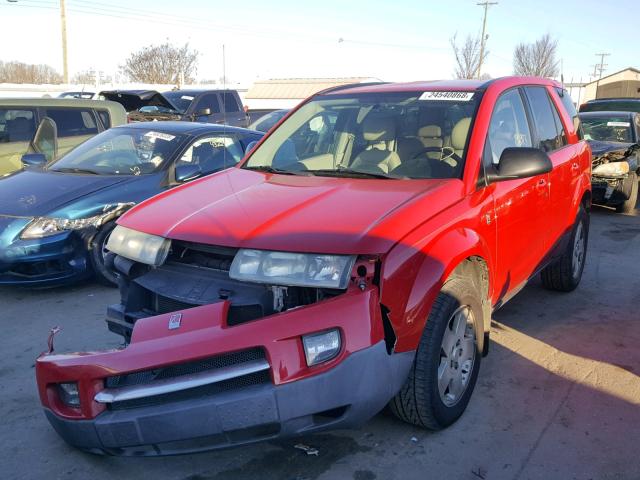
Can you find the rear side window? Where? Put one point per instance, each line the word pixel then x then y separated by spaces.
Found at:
pixel 105 118
pixel 16 125
pixel 508 126
pixel 549 138
pixel 230 103
pixel 571 110
pixel 209 101
pixel 73 122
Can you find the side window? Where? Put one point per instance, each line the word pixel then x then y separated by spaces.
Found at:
pixel 230 103
pixel 210 101
pixel 562 135
pixel 105 118
pixel 548 137
pixel 213 153
pixel 73 122
pixel 571 110
pixel 508 126
pixel 16 125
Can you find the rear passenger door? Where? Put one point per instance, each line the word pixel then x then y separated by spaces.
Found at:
pixel 75 125
pixel 17 128
pixel 521 205
pixel 234 113
pixel 550 137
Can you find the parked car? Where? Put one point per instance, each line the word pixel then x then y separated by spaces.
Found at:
pixel 54 222
pixel 210 106
pixel 611 105
pixel 352 260
pixel 79 94
pixel 268 121
pixel 615 143
pixel 75 120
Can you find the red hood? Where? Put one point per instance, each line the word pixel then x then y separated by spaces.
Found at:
pixel 246 209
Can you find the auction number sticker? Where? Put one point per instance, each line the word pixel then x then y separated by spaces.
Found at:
pixel 618 124
pixel 451 96
pixel 161 135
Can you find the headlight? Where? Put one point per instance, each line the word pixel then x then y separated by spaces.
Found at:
pixel 292 269
pixel 44 227
pixel 321 347
pixel 138 246
pixel 612 168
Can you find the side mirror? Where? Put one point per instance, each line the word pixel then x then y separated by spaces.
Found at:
pixel 203 112
pixel 184 173
pixel 34 159
pixel 45 141
pixel 519 162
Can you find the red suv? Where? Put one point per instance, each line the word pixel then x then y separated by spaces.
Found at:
pixel 352 260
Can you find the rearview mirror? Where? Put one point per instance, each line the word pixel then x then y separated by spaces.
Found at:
pixel 34 159
pixel 519 162
pixel 45 140
pixel 184 173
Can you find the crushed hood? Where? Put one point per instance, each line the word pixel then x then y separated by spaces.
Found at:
pixel 135 99
pixel 599 147
pixel 247 209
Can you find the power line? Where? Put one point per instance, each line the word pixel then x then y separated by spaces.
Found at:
pixel 483 38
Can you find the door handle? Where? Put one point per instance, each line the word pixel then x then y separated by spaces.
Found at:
pixel 575 166
pixel 541 183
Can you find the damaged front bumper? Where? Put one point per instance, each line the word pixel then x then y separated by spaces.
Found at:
pixel 205 384
pixel 611 190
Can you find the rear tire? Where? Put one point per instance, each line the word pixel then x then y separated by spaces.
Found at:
pixel 564 274
pixel 630 205
pixel 96 255
pixel 446 365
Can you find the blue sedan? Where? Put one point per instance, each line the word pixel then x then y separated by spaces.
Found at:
pixel 55 221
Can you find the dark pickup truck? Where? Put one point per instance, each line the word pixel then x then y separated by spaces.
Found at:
pixel 209 106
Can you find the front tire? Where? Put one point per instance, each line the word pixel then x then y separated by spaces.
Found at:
pixel 630 204
pixel 97 256
pixel 447 361
pixel 565 273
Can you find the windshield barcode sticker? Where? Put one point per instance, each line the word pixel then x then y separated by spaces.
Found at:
pixel 162 136
pixel 451 96
pixel 618 124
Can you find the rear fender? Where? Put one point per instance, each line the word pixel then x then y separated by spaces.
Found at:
pixel 414 275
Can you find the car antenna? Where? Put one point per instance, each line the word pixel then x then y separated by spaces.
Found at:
pixel 224 107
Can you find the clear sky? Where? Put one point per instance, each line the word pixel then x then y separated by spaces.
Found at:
pixel 390 40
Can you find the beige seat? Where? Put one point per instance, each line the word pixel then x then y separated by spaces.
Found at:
pixel 457 141
pixel 379 132
pixel 431 136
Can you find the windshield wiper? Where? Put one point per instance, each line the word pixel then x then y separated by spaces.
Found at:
pixel 74 170
pixel 270 169
pixel 340 171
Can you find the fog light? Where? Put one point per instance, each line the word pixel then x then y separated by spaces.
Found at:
pixel 321 347
pixel 69 394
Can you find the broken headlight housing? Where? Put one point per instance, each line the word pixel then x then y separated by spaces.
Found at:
pixel 138 246
pixel 292 269
pixel 41 227
pixel 611 169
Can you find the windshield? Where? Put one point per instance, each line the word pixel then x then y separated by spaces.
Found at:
pixel 607 129
pixel 614 105
pixel 179 99
pixel 379 135
pixel 121 151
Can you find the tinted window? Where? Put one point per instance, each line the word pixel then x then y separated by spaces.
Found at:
pixel 73 122
pixel 16 125
pixel 613 105
pixel 545 125
pixel 508 127
pixel 179 99
pixel 209 101
pixel 230 103
pixel 213 153
pixel 571 110
pixel 104 118
pixel 562 135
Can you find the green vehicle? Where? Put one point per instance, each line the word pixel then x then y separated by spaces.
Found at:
pixel 73 122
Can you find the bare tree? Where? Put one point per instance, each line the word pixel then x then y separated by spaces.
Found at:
pixel 467 56
pixel 18 72
pixel 162 64
pixel 536 59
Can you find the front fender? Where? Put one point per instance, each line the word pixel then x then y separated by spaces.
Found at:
pixel 414 274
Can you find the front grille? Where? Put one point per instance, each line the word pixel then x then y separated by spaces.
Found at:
pixel 164 304
pixel 172 371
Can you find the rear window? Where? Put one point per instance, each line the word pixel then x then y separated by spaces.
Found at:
pixel 230 103
pixel 73 122
pixel 16 125
pixel 611 106
pixel 104 118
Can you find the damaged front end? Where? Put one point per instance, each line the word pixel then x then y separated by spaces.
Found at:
pixel 211 360
pixel 614 174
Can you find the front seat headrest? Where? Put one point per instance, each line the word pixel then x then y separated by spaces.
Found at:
pixel 459 133
pixel 378 128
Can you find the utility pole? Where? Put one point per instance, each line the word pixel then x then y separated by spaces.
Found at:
pixel 484 28
pixel 63 24
pixel 601 69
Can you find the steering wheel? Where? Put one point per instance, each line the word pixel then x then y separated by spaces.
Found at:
pixel 424 150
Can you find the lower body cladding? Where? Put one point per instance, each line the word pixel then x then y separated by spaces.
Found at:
pixel 43 262
pixel 207 385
